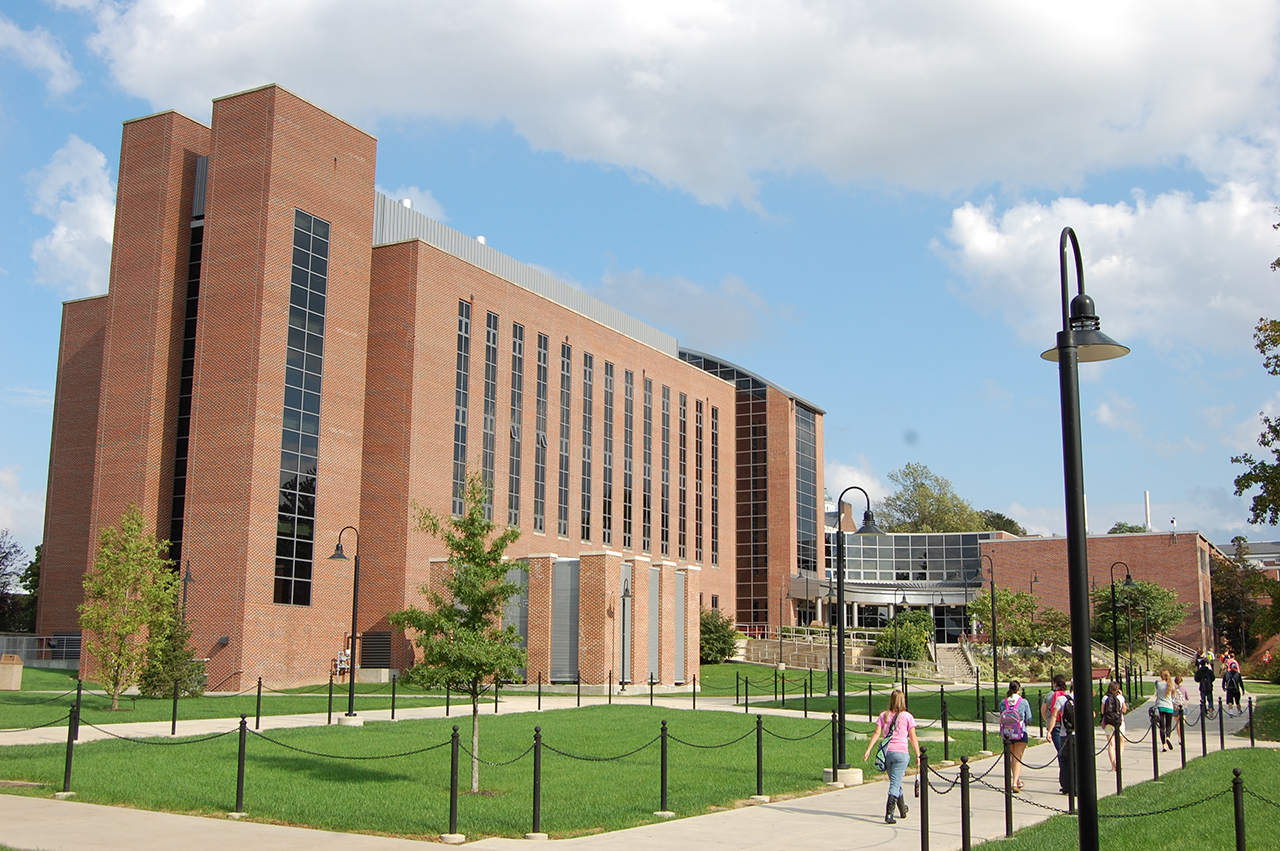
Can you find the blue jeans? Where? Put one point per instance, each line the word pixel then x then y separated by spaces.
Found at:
pixel 896 763
pixel 1059 736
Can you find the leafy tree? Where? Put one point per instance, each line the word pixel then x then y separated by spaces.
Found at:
pixel 464 644
pixel 926 502
pixel 1159 606
pixel 17 609
pixel 717 638
pixel 1015 616
pixel 1120 528
pixel 128 597
pixel 998 522
pixel 1053 626
pixel 1236 585
pixel 1260 473
pixel 915 629
pixel 170 658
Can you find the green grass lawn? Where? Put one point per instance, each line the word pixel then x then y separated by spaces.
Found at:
pixel 409 795
pixel 48 679
pixel 27 709
pixel 1266 720
pixel 1206 826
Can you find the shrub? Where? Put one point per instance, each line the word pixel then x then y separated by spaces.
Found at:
pixel 915 628
pixel 717 636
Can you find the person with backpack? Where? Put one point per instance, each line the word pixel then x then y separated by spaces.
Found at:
pixel 1233 684
pixel 1114 708
pixel 1062 722
pixel 1015 718
pixel 898 727
pixel 1205 678
pixel 1164 709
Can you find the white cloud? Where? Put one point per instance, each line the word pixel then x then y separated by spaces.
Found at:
pixel 21 512
pixel 1121 415
pixel 76 192
pixel 1170 270
pixel 839 475
pixel 30 397
pixel 701 317
pixel 1242 436
pixel 422 199
pixel 40 52
pixel 709 96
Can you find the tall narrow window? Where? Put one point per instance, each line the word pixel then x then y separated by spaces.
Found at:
pixel 562 492
pixel 300 436
pixel 187 377
pixel 715 486
pixel 806 489
pixel 588 367
pixel 697 481
pixel 517 420
pixel 646 511
pixel 540 439
pixel 628 444
pixel 460 406
pixel 682 549
pixel 606 493
pixel 490 424
pixel 664 506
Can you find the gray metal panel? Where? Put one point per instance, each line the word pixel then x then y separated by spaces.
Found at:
pixel 681 648
pixel 515 612
pixel 393 222
pixel 201 187
pixel 564 621
pixel 655 618
pixel 628 615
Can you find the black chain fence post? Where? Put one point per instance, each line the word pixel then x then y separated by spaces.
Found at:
pixel 1156 744
pixel 759 756
pixel 173 725
pixel 539 691
pixel 965 842
pixel 651 688
pixel 497 684
pixel 775 684
pixel 746 695
pixel 1222 733
pixel 1040 703
pixel 329 720
pixel 1252 743
pixel 923 770
pixel 835 748
pixel 447 690
pixel 1182 733
pixel 257 712
pixel 1008 791
pixel 946 737
pixel 1071 775
pixel 579 679
pixel 806 700
pixel 663 808
pixel 1119 740
pixel 76 723
pixel 737 682
pixel 611 687
pixel 868 703
pixel 73 723
pixel 1204 735
pixel 537 780
pixel 1237 794
pixel 906 692
pixel 453 784
pixel 244 738
pixel 393 696
pixel 784 691
pixel 977 686
pixel 695 691
pixel 984 723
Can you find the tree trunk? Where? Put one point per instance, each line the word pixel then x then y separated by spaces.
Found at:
pixel 475 742
pixel 115 701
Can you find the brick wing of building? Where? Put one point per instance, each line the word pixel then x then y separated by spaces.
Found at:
pixel 284 352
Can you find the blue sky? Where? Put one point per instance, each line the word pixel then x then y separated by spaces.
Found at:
pixel 861 202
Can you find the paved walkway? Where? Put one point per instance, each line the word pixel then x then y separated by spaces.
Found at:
pixel 831 821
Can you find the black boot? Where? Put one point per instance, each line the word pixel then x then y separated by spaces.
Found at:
pixel 888 810
pixel 902 806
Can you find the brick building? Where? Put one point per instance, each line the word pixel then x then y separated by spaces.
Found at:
pixel 284 352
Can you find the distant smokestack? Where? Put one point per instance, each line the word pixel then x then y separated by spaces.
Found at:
pixel 1147 499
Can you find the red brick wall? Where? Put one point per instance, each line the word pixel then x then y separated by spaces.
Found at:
pixel 272 153
pixel 1174 563
pixel 69 545
pixel 782 504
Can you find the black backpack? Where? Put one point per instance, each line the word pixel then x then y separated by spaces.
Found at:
pixel 1069 715
pixel 1111 714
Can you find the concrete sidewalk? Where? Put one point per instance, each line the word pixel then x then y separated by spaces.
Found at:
pixel 830 821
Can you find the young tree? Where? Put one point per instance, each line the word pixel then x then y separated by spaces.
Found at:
pixel 464 644
pixel 926 502
pixel 169 658
pixel 717 636
pixel 1015 614
pixel 1152 607
pixel 129 594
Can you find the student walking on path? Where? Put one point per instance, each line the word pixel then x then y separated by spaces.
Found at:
pixel 898 727
pixel 1061 721
pixel 1114 708
pixel 1015 719
pixel 1164 709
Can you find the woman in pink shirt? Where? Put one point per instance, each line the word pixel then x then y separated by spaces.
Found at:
pixel 898 726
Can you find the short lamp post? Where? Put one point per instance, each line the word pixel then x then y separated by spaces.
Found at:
pixel 1115 633
pixel 868 527
pixel 338 555
pixel 1079 340
pixel 995 664
pixel 898 676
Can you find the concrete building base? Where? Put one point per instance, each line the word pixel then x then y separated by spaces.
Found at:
pixel 453 838
pixel 843 776
pixel 665 814
pixel 761 799
pixel 536 836
pixel 62 796
pixel 350 721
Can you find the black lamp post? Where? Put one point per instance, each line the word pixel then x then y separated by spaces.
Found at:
pixel 995 667
pixel 1129 617
pixel 868 527
pixel 338 555
pixel 1079 340
pixel 624 656
pixel 1031 589
pixel 186 580
pixel 1115 633
pixel 898 675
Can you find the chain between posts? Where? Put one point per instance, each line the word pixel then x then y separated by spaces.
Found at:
pixel 151 741
pixel 265 737
pixel 36 702
pixel 39 726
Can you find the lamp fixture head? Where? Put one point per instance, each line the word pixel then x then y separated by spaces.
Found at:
pixel 626 589
pixel 869 526
pixel 338 555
